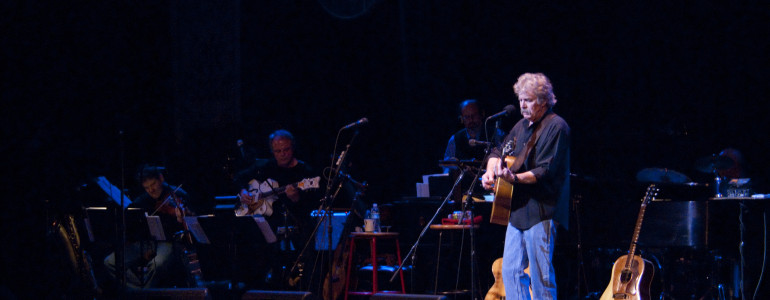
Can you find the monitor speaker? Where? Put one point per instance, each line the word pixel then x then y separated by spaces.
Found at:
pixel 277 295
pixel 170 293
pixel 384 296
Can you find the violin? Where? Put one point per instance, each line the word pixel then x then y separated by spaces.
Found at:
pixel 173 205
pixel 165 207
pixel 189 255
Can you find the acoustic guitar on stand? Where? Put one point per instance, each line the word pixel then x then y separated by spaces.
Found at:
pixel 631 274
pixel 497 291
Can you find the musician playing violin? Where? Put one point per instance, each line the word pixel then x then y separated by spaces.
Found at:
pixel 163 200
pixel 149 262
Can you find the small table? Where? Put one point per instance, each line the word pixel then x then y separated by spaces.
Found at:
pixel 372 237
pixel 441 228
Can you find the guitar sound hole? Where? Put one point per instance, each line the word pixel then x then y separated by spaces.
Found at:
pixel 625 276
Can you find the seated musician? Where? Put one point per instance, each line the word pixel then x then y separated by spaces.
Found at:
pixel 288 210
pixel 151 263
pixel 459 147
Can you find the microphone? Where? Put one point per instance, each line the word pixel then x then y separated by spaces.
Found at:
pixel 340 158
pixel 507 110
pixel 474 143
pixel 360 185
pixel 240 148
pixel 358 123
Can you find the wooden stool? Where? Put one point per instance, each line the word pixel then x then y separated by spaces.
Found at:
pixel 372 237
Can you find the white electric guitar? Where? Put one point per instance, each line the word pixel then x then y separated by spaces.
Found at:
pixel 266 193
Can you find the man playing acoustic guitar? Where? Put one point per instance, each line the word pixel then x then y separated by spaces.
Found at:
pixel 536 153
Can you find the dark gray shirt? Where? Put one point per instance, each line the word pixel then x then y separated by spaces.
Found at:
pixel 549 161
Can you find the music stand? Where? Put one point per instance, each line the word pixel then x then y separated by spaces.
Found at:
pixel 226 231
pixel 100 224
pixel 216 228
pixel 112 191
pixel 196 230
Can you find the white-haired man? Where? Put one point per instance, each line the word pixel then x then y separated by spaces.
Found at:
pixel 540 144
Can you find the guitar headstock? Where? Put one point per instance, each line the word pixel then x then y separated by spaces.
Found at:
pixel 309 183
pixel 652 192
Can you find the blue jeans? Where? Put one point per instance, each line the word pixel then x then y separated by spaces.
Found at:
pixel 534 248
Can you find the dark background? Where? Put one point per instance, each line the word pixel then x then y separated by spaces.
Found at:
pixel 96 89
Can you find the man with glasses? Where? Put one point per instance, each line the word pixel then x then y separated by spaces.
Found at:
pixel 459 146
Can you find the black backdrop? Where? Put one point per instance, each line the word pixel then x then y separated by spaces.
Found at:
pixel 641 84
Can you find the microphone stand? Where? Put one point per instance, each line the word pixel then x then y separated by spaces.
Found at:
pixel 326 204
pixel 323 207
pixel 120 253
pixel 468 206
pixel 427 225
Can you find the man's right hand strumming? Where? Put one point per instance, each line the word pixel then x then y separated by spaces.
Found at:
pixel 488 179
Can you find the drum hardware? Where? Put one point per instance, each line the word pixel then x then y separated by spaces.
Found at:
pixel 708 164
pixel 661 175
pixel 714 164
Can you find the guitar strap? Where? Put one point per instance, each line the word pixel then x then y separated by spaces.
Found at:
pixel 530 144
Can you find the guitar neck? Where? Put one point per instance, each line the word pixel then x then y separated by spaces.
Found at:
pixel 637 229
pixel 277 191
pixel 651 192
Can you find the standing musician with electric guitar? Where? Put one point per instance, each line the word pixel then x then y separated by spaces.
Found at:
pixel 533 163
pixel 283 190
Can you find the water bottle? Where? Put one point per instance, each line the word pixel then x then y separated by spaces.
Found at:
pixel 375 215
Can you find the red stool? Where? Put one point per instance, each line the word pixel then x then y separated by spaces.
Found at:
pixel 372 237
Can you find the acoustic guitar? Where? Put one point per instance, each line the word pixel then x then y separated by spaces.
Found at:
pixel 497 291
pixel 334 282
pixel 267 191
pixel 501 206
pixel 632 274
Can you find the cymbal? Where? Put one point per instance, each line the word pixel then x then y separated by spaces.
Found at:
pixel 661 175
pixel 708 164
pixel 455 162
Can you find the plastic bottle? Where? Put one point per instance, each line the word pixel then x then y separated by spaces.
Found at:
pixel 375 215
